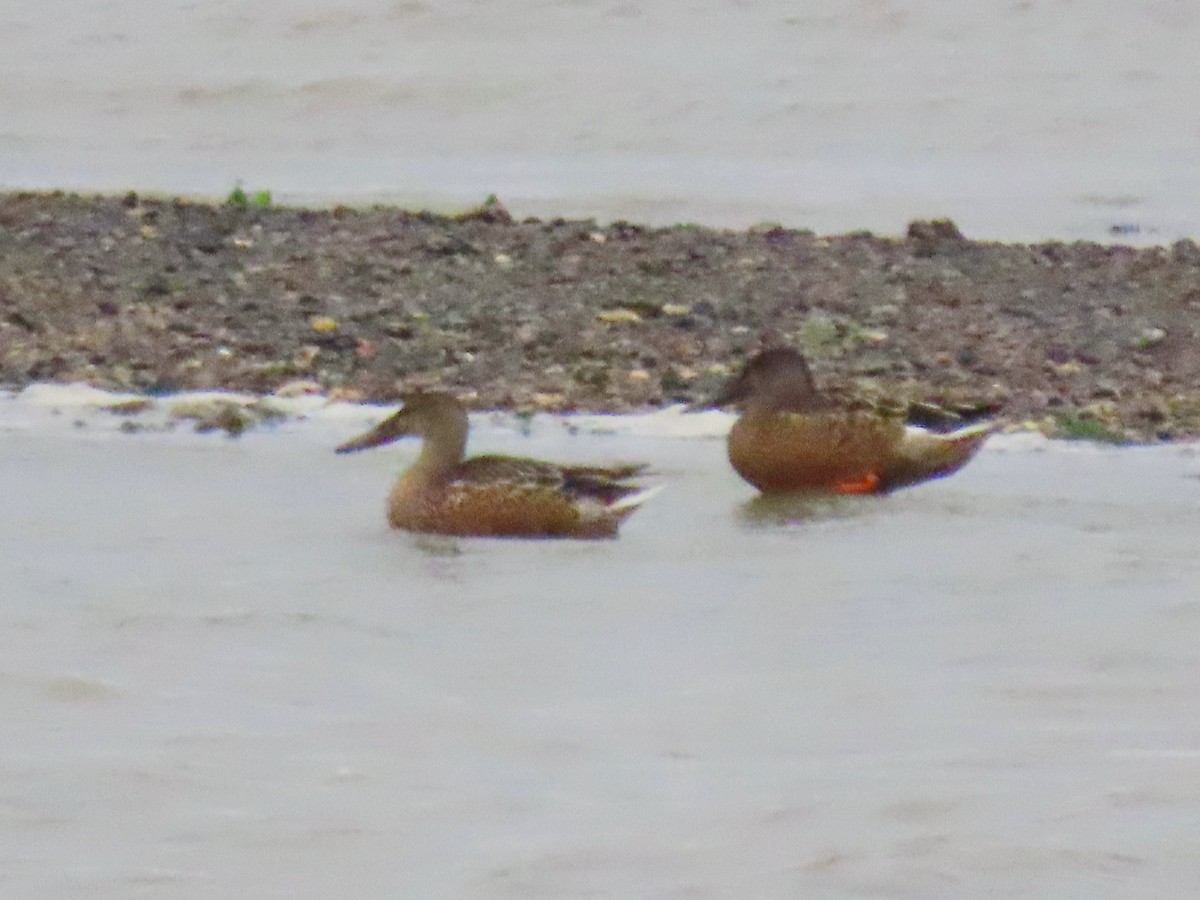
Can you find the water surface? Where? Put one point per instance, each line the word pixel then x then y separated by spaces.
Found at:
pixel 1021 120
pixel 223 676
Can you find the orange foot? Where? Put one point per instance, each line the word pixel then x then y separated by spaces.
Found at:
pixel 868 484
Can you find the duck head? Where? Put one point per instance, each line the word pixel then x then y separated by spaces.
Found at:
pixel 775 380
pixel 438 418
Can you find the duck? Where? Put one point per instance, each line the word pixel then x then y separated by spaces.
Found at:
pixel 792 437
pixel 444 492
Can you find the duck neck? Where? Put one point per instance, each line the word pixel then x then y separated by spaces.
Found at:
pixel 443 447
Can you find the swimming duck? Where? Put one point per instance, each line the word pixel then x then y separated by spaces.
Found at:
pixel 499 496
pixel 791 437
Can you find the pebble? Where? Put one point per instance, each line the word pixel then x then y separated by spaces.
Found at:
pixel 618 316
pixel 324 324
pixel 299 387
pixel 1148 337
pixel 345 395
pixel 306 356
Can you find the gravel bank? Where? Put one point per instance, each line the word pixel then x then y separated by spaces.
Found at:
pixel 157 295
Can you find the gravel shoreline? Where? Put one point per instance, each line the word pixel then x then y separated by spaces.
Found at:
pixel 157 295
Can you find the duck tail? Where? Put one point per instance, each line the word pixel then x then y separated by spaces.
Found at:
pixel 926 455
pixel 971 432
pixel 625 505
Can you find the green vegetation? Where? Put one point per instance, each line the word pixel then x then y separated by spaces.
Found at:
pixel 491 211
pixel 239 197
pixel 1078 427
pixel 132 407
pixel 829 337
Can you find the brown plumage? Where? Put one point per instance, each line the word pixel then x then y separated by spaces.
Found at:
pixel 790 437
pixel 499 496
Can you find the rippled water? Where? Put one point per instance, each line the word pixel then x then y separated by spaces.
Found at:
pixel 1020 119
pixel 222 676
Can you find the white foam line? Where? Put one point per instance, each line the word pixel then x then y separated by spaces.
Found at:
pixel 34 405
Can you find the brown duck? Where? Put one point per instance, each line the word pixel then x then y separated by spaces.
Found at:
pixel 498 496
pixel 791 437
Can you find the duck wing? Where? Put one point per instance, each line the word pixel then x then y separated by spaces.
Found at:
pixel 948 417
pixel 946 413
pixel 608 484
pixel 605 483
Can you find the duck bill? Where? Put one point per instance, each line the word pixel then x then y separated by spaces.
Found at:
pixel 384 433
